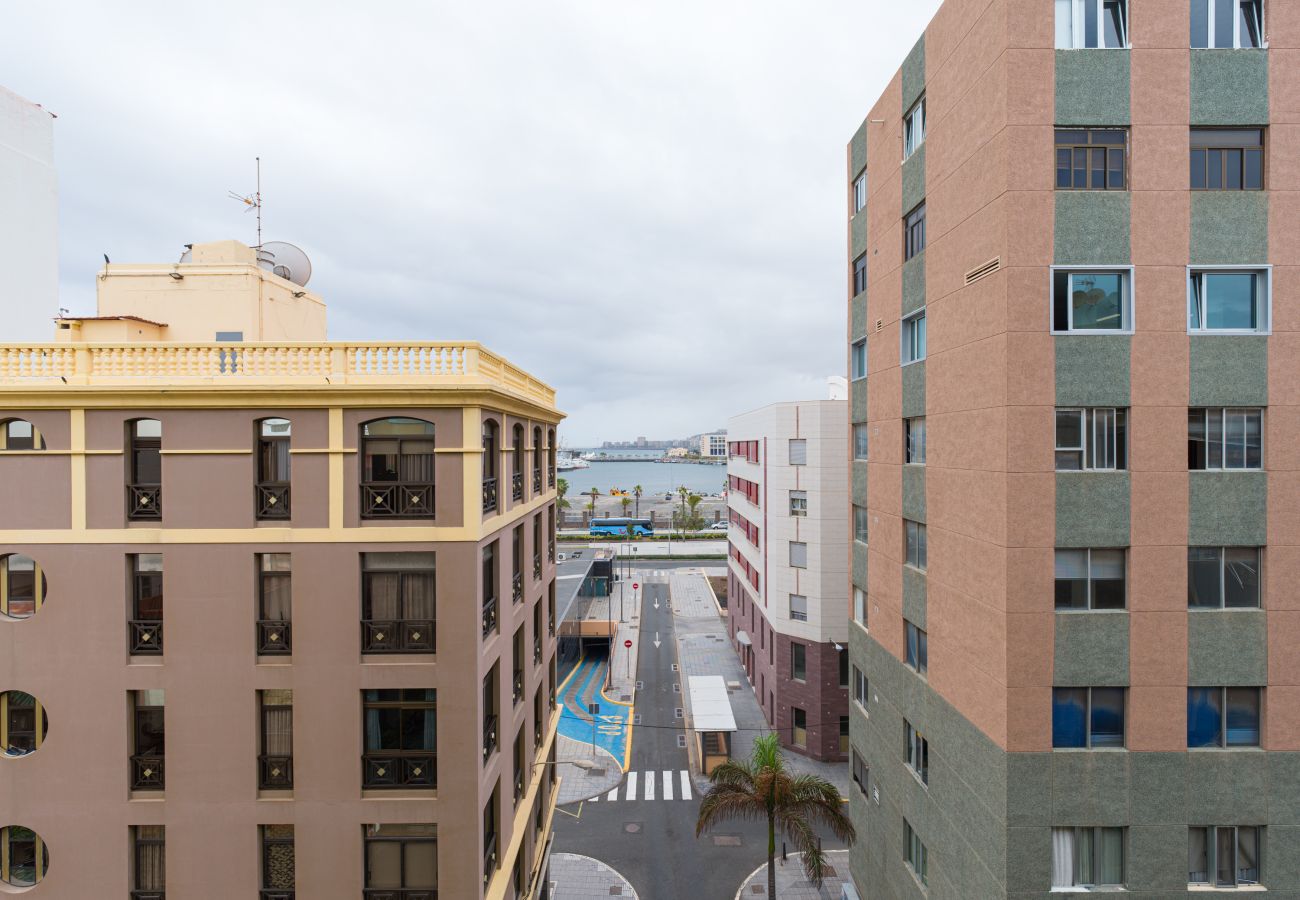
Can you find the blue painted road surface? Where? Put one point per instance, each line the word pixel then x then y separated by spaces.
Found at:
pixel 610 726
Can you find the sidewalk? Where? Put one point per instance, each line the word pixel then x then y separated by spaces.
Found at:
pixel 583 784
pixel 709 548
pixel 575 877
pixel 791 884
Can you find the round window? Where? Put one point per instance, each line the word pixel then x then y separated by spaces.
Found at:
pixel 22 586
pixel 25 854
pixel 22 724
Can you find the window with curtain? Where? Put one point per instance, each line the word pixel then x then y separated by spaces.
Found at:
pixel 150 857
pixel 273 469
pixel 1223 716
pixel 276 764
pixel 401 857
pixel 401 737
pixel 914 441
pixel 1087 717
pixel 397 467
pixel 918 649
pixel 398 594
pixel 274 603
pixel 1223 577
pixel 1225 856
pixel 1087 857
pixel 798 608
pixel 1225 439
pixel 1090 579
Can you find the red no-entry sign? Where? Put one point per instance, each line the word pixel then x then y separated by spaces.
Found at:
pixel 635 586
pixel 628 643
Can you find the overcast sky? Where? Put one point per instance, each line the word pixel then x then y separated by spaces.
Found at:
pixel 641 203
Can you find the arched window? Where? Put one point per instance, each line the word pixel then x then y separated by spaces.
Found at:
pixel 489 466
pixel 550 456
pixel 27 860
pixel 537 460
pixel 19 434
pixel 22 724
pixel 22 586
pixel 517 464
pixel 397 469
pixel 272 490
pixel 144 465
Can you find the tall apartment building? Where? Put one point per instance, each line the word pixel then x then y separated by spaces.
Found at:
pixel 29 219
pixel 1074 643
pixel 276 613
pixel 787 611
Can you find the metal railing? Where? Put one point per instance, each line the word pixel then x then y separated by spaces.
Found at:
pixel 383 770
pixel 550 476
pixel 519 785
pixel 148 895
pixel 489 858
pixel 397 636
pixel 272 500
pixel 145 637
pixel 274 637
pixel 517 587
pixel 144 502
pixel 147 773
pixel 489 616
pixel 489 735
pixel 489 494
pixel 517 688
pixel 537 650
pixel 517 486
pixel 537 566
pixel 398 500
pixel 399 894
pixel 275 773
pixel 278 894
pixel 537 481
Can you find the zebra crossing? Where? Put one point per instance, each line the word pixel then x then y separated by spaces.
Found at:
pixel 651 785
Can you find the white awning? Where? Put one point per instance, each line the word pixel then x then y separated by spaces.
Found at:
pixel 743 639
pixel 710 704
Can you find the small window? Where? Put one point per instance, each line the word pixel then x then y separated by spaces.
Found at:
pixel 150 863
pixel 798 662
pixel 860 193
pixel 23 724
pixel 1234 301
pixel 861 773
pixel 1229 439
pixel 798 503
pixel 914 437
pixel 144 465
pixel 1090 579
pixel 22 586
pixel 913 338
pixel 273 459
pixel 918 752
pixel 860 526
pixel 1091 159
pixel 917 855
pixel 18 434
pixel 859 274
pixel 860 606
pixel 1225 856
pixel 860 441
pixel 1223 577
pixel 860 695
pixel 1087 717
pixel 1227 24
pixel 858 359
pixel 1227 159
pixel 278 876
pixel 798 608
pixel 148 740
pixel 799 721
pixel 917 544
pixel 798 554
pixel 275 764
pixel 1088 301
pixel 1087 857
pixel 24 857
pixel 1092 440
pixel 1223 716
pixel 1091 24
pixel 914 232
pixel 918 650
pixel 274 603
pixel 798 452
pixel 914 128
pixel 145 625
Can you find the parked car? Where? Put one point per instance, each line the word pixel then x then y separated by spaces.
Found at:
pixel 718 526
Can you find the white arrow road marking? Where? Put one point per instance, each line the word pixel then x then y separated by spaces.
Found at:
pixel 631 786
pixel 656 640
pixel 686 785
pixel 668 785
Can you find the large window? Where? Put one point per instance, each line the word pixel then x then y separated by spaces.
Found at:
pixel 1090 579
pixel 274 604
pixel 1227 159
pixel 398 602
pixel 271 499
pixel 491 450
pixel 1093 440
pixel 798 661
pixel 517 464
pixel 1091 300
pixel 1087 717
pixel 914 232
pixel 1223 716
pixel 1227 24
pixel 1091 159
pixel 1087 857
pixel 278 876
pixel 1224 856
pixel 1235 301
pixel 915 853
pixel 913 329
pixel 24 858
pixel 397 469
pixel 1225 439
pixel 917 545
pixel 861 521
pixel 860 192
pixel 488 601
pixel 1223 577
pixel 275 718
pixel 144 475
pixel 858 359
pixel 148 740
pixel 914 128
pixel 861 440
pixel 401 861
pixel 914 441
pixel 145 627
pixel 1095 24
pixel 918 752
pixel 918 647
pixel 149 847
pixel 22 586
pixel 401 738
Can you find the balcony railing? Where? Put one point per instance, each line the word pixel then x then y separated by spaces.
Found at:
pixel 517 688
pixel 384 770
pixel 517 587
pixel 537 734
pixel 145 637
pixel 489 616
pixel 489 735
pixel 489 494
pixel 274 637
pixel 537 651
pixel 489 858
pixel 519 784
pixel 550 551
pixel 276 895
pixel 275 773
pixel 517 486
pixel 272 500
pixel 537 566
pixel 143 501
pixel 147 773
pixel 537 481
pixel 550 475
pixel 397 635
pixel 148 895
pixel 401 500
pixel 399 894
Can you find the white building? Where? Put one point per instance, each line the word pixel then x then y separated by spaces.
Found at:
pixel 788 607
pixel 29 241
pixel 714 445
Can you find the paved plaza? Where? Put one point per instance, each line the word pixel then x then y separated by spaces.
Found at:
pixel 791 884
pixel 575 877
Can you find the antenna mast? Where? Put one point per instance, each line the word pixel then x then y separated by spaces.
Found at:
pixel 253 202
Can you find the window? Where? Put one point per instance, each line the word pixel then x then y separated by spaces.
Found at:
pixel 1225 439
pixel 914 128
pixel 550 457
pixel 914 338
pixel 277 862
pixel 844 735
pixel 1224 856
pixel 517 563
pixel 23 724
pixel 401 738
pixel 24 858
pixel 1229 300
pixel 1227 24
pixel 144 484
pixel 914 435
pixel 799 719
pixel 858 359
pixel 1090 579
pixel 798 662
pixel 274 604
pixel 915 853
pixel 860 606
pixel 150 851
pixel 490 718
pixel 860 519
pixel 798 452
pixel 537 547
pixel 860 441
pixel 1087 717
pixel 843 657
pixel 1223 577
pixel 490 855
pixel 1223 716
pixel 22 586
pixel 918 752
pixel 918 652
pixel 520 767
pixel 861 773
pixel 917 549
pixel 1087 857
pixel 798 555
pixel 397 469
pixel 798 608
pixel 398 602
pixel 860 192
pixel 799 503
pixel 145 627
pixel 1093 440
pixel 914 232
pixel 489 602
pixel 401 857
pixel 148 740
pixel 18 434
pixel 1091 300
pixel 517 464
pixel 272 488
pixel 1227 159
pixel 1094 24
pixel 859 274
pixel 537 460
pixel 860 695
pixel 275 763
pixel 1091 159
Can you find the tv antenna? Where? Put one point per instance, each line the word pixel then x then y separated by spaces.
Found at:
pixel 253 201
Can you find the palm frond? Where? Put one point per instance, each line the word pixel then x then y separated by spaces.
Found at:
pixel 727 802
pixel 818 802
pixel 734 772
pixel 808 845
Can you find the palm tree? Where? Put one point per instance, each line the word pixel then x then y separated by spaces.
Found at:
pixel 626 501
pixel 636 492
pixel 694 521
pixel 562 488
pixel 593 494
pixel 761 788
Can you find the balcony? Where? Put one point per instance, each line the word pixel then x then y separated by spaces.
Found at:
pixel 387 770
pixel 550 551
pixel 489 495
pixel 537 734
pixel 145 637
pixel 517 689
pixel 272 500
pixel 550 476
pixel 519 785
pixel 274 637
pixel 399 894
pixel 517 587
pixel 148 895
pixel 537 481
pixel 275 773
pixel 489 858
pixel 276 895
pixel 489 735
pixel 399 500
pixel 143 501
pixel 147 773
pixel 397 636
pixel 537 651
pixel 489 616
pixel 517 486
pixel 537 566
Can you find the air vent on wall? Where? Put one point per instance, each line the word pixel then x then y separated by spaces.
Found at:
pixel 987 268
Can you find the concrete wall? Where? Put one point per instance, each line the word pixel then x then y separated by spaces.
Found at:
pixel 29 220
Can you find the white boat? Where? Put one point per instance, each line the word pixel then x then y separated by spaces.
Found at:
pixel 570 463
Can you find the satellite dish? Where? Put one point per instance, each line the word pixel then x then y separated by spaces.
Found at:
pixel 284 259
